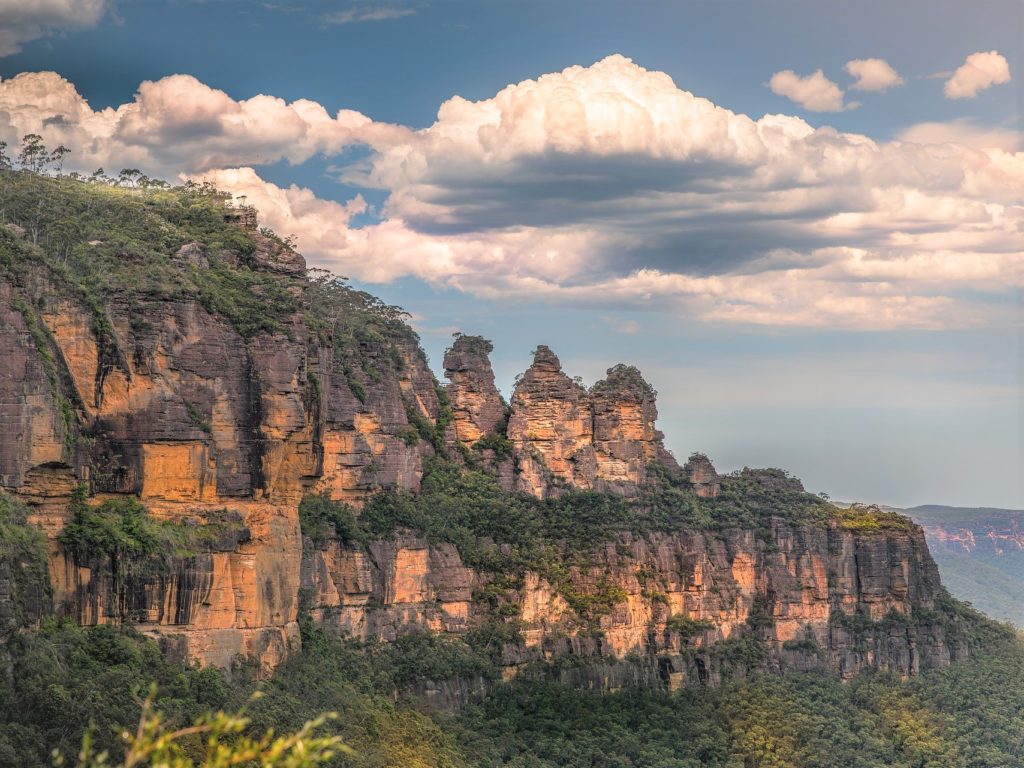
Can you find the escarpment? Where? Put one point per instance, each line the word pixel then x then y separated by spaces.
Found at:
pixel 175 385
pixel 681 608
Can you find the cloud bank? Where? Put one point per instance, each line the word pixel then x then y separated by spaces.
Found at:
pixel 604 185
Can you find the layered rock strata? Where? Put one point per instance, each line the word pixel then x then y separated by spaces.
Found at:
pixel 814 597
pixel 165 398
pixel 171 405
pixel 477 407
pixel 565 435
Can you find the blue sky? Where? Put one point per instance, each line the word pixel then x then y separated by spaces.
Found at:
pixel 847 308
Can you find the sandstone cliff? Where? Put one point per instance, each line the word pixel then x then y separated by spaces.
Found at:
pixel 682 607
pixel 477 407
pixel 190 363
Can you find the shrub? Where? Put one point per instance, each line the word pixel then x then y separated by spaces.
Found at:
pixel 687 627
pixel 321 518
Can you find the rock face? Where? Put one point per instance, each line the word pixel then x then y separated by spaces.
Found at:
pixel 204 413
pixel 477 407
pixel 566 436
pixel 814 596
pixel 169 403
pixel 701 475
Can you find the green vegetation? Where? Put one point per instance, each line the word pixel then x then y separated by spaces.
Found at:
pixel 497 442
pixel 224 744
pixel 967 716
pixel 64 677
pixel 96 241
pixel 65 680
pixel 687 627
pixel 752 499
pixel 321 519
pixel 122 530
pixel 364 332
pixel 24 563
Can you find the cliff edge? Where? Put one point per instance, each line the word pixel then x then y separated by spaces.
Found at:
pixel 215 441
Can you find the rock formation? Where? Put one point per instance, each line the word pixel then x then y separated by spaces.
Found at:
pixel 206 412
pixel 477 407
pixel 169 403
pixel 551 426
pixel 567 436
pixel 701 475
pixel 820 597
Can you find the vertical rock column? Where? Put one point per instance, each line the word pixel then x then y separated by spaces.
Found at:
pixel 551 428
pixel 477 407
pixel 625 438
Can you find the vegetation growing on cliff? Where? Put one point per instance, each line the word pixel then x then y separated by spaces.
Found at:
pixel 100 239
pixel 469 509
pixel 24 566
pixel 966 716
pixel 322 519
pixel 122 530
pixel 97 240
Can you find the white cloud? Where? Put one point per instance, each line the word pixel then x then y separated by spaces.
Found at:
pixel 979 72
pixel 605 185
pixel 965 133
pixel 24 20
pixel 356 15
pixel 178 124
pixel 873 75
pixel 814 92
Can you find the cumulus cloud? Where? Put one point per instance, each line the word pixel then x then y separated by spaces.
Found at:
pixel 873 75
pixel 355 15
pixel 178 124
pixel 24 20
pixel 979 72
pixel 605 185
pixel 814 92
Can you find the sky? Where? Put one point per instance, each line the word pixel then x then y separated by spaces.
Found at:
pixel 803 221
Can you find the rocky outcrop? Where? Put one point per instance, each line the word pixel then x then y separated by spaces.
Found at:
pixel 551 427
pixel 688 607
pixel 565 435
pixel 477 407
pixel 701 475
pixel 625 439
